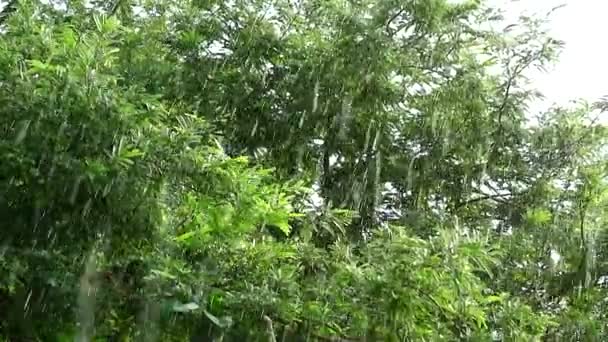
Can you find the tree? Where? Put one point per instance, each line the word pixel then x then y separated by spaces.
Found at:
pixel 278 170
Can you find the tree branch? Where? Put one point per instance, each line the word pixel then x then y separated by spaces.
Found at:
pixel 390 21
pixel 486 197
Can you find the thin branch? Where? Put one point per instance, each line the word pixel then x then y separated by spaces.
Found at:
pixel 390 21
pixel 487 197
pixel 518 69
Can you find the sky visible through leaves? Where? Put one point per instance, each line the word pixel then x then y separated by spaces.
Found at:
pixel 581 71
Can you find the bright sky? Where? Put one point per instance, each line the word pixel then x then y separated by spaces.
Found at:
pixel 582 70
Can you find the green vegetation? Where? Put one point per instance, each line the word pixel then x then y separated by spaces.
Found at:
pixel 274 170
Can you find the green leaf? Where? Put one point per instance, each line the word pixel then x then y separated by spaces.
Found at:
pixel 185 236
pixel 163 274
pixel 37 66
pixel 187 307
pixel 99 22
pixel 538 216
pixel 493 299
pixel 223 322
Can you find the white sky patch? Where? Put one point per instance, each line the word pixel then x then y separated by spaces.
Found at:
pixel 582 69
pixel 555 256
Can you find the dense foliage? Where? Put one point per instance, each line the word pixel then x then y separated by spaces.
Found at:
pixel 266 170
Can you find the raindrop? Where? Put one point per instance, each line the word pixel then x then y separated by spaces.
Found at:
pixel 107 188
pixel 22 131
pixel 376 139
pixel 37 217
pixel 346 115
pixel 87 208
pixel 52 170
pixel 27 302
pixel 255 128
pixel 62 128
pixel 301 123
pixel 315 98
pixel 82 131
pixel 75 190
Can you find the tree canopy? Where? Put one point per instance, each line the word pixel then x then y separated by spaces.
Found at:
pixel 274 170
